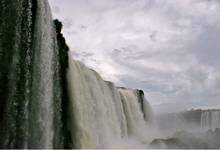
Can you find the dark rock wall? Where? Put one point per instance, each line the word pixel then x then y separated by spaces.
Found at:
pixel 16 27
pixel 63 61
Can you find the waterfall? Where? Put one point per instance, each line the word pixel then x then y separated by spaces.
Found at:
pixel 147 110
pixel 16 24
pixel 210 119
pixel 45 67
pixel 101 114
pixel 30 88
pixel 134 115
pixel 35 109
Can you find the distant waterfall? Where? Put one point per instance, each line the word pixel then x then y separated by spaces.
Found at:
pixel 102 116
pixel 210 119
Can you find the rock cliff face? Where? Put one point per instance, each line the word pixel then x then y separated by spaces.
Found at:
pixel 63 61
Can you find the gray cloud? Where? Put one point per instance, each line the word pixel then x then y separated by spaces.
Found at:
pixel 55 9
pixel 169 48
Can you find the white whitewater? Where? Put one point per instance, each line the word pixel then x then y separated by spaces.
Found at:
pixel 45 68
pixel 133 113
pixel 102 115
pixel 210 119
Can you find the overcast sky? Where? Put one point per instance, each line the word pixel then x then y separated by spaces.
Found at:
pixel 168 48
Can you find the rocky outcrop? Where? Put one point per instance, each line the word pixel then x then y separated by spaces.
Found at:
pixel 187 140
pixel 63 61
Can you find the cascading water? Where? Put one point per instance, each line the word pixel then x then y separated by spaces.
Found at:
pixel 44 79
pixel 29 76
pixel 16 28
pixel 35 109
pixel 134 115
pixel 210 119
pixel 102 116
